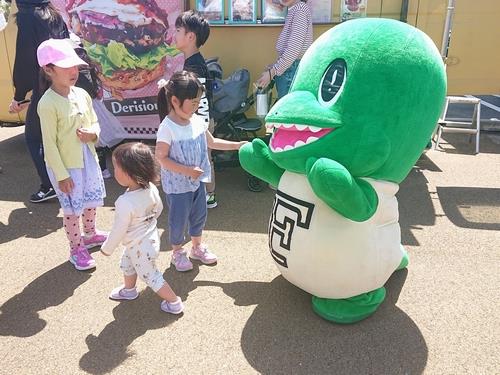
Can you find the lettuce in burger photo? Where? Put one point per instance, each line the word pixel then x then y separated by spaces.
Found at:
pixel 126 38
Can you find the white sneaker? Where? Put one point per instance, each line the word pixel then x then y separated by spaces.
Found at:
pixel 172 307
pixel 211 200
pixel 120 293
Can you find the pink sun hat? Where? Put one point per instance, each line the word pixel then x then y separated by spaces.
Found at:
pixel 58 52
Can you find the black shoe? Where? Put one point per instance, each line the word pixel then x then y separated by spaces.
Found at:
pixel 42 195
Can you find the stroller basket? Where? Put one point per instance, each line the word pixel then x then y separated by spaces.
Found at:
pixel 230 101
pixel 228 94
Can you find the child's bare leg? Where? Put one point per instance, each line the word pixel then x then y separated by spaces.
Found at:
pixel 176 247
pixel 166 293
pixel 196 241
pixel 129 281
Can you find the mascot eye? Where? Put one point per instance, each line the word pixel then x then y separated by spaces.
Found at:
pixel 332 83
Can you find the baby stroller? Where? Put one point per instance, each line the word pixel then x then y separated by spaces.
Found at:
pixel 229 104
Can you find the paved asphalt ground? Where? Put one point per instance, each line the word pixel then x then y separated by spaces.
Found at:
pixel 441 315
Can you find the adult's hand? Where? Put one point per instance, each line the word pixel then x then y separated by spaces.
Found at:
pixel 15 107
pixel 264 79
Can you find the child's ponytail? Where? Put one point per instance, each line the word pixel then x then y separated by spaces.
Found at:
pixel 162 102
pixel 183 85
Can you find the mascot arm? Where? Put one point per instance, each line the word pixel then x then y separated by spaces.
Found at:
pixel 256 160
pixel 351 197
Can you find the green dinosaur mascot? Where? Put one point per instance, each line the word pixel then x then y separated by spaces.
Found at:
pixel 362 107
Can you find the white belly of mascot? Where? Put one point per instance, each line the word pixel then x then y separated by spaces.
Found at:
pixel 327 255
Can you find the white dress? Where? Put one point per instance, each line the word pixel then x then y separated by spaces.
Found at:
pixel 89 190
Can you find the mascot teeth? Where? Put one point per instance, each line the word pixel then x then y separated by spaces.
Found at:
pixel 287 137
pixel 299 143
pixel 296 145
pixel 297 127
pixel 311 139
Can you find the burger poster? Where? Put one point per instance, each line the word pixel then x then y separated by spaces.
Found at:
pixel 131 44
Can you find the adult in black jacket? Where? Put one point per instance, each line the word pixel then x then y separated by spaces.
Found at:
pixel 37 21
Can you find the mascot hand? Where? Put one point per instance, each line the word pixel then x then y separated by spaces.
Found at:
pixel 309 164
pixel 255 158
pixel 353 198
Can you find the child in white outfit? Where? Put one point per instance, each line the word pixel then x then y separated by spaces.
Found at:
pixel 137 211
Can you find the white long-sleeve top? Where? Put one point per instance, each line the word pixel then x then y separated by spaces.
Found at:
pixel 136 214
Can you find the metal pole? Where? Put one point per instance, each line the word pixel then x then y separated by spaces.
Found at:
pixel 447 29
pixel 403 16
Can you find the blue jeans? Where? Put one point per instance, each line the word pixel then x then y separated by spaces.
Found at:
pixel 284 81
pixel 186 210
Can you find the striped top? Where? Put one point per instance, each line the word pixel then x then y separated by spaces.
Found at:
pixel 295 38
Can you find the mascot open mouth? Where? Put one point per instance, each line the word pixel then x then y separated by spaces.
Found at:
pixel 291 136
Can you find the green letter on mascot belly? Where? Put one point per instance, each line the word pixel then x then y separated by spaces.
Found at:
pixel 362 107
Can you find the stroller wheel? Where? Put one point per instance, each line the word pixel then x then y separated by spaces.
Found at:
pixel 254 184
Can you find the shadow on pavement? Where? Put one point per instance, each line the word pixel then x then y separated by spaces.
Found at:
pixel 474 208
pixel 284 336
pixel 132 320
pixel 239 209
pixel 20 316
pixel 415 204
pixel 31 222
pixel 19 178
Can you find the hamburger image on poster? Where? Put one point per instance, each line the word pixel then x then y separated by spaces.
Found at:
pixel 126 38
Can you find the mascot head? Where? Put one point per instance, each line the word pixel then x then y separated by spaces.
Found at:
pixel 367 94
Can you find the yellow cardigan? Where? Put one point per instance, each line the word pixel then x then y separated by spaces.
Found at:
pixel 60 117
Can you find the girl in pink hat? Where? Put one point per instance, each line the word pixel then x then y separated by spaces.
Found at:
pixel 69 132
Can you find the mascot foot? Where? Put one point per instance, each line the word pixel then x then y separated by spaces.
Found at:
pixel 404 261
pixel 349 310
